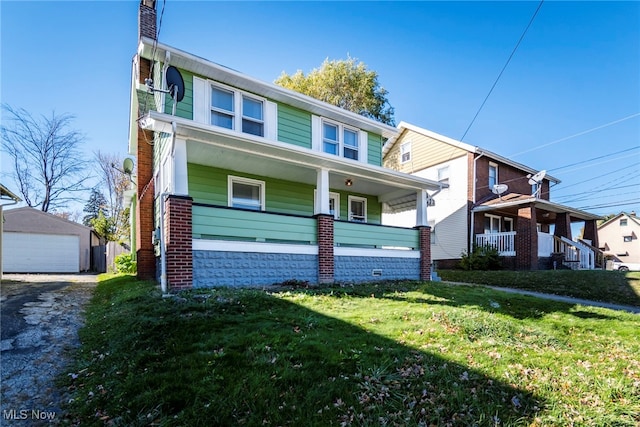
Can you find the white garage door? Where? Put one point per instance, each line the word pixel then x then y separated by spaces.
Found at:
pixel 40 253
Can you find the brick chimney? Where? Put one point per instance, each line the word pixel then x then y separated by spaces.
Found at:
pixel 147 19
pixel 145 226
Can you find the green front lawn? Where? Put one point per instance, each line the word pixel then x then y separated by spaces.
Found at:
pixel 388 354
pixel 616 287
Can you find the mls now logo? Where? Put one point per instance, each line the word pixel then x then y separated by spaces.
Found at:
pixel 28 414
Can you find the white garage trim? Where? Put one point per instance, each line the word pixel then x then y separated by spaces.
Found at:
pixel 40 253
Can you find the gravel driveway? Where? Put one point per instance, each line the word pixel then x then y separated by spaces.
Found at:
pixel 40 318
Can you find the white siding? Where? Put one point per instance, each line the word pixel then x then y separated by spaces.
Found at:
pixel 449 213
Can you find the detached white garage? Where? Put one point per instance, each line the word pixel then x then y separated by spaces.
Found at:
pixel 38 242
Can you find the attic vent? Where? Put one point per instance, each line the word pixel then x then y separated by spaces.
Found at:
pixel 376 272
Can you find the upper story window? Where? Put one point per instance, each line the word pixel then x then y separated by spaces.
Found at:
pixel 405 152
pixel 628 239
pixel 623 222
pixel 252 116
pixel 230 107
pixel 443 175
pixel 493 174
pixel 340 140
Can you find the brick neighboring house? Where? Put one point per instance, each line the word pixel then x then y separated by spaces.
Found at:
pixel 518 222
pixel 618 236
pixel 249 183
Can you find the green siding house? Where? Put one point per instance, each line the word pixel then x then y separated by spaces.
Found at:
pixel 245 183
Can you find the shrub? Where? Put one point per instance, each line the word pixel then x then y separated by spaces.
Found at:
pixel 484 257
pixel 125 263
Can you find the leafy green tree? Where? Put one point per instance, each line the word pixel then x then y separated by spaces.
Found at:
pixel 97 204
pixel 345 83
pixel 104 226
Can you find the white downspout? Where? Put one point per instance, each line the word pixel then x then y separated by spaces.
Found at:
pixel 163 255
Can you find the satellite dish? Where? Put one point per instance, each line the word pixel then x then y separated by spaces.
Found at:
pixel 175 83
pixel 499 189
pixel 127 166
pixel 537 178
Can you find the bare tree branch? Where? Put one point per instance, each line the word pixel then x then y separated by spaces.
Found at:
pixel 49 166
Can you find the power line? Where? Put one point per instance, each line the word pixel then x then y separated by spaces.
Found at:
pixel 577 134
pixel 584 195
pixel 596 158
pixel 600 176
pixel 503 68
pixel 612 204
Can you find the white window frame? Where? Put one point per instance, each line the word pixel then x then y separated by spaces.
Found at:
pixel 340 142
pixel 231 179
pixel 444 173
pixel 506 221
pixel 336 202
pixel 244 96
pixel 497 180
pixel 405 149
pixel 238 110
pixel 623 222
pixel 491 228
pixel 233 113
pixel 357 199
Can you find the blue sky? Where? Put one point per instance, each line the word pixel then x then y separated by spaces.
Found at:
pixel 575 74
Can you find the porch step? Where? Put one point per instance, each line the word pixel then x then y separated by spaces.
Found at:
pixel 435 277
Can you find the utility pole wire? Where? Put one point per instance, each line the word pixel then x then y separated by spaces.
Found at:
pixel 503 68
pixel 577 134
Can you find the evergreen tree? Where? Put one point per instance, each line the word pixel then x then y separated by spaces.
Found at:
pixel 96 205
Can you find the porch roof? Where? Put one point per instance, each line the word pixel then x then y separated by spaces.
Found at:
pixel 6 194
pixel 512 201
pixel 219 147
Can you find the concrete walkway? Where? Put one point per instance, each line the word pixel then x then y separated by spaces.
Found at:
pixel 560 298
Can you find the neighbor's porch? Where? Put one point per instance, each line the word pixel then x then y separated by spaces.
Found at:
pixel 560 250
pixel 520 227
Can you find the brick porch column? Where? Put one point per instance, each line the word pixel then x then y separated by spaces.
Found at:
pixel 526 240
pixel 563 225
pixel 591 232
pixel 425 253
pixel 325 249
pixel 178 238
pixel 145 255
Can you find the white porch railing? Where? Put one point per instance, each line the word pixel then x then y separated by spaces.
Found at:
pixel 503 242
pixel 576 255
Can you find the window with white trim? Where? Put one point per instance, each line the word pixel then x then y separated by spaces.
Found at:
pixel 334 203
pixel 230 107
pixel 491 224
pixel 508 224
pixel 357 209
pixel 493 175
pixel 405 152
pixel 340 140
pixel 443 175
pixel 623 222
pixel 246 193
